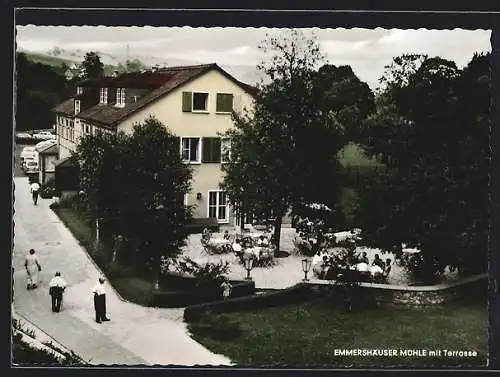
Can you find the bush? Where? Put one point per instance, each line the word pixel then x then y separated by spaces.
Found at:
pixel 295 294
pixel 188 294
pixel 218 327
pixel 48 189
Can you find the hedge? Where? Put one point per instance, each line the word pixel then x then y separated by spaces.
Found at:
pixel 179 290
pixel 298 293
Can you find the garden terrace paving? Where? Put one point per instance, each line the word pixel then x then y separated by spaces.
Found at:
pixel 135 335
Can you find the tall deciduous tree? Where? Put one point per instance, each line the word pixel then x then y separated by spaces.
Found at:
pixel 136 183
pixel 431 131
pixel 91 66
pixel 285 149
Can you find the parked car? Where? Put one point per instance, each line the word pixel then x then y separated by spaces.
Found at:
pixel 44 135
pixel 31 166
pixel 27 152
pixel 23 135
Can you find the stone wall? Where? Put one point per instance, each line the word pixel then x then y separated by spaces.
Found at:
pixel 386 294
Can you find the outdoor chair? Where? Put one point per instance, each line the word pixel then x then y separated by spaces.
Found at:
pixel 206 249
pixel 267 257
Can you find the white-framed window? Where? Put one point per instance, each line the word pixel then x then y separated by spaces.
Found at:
pixel 200 101
pixel 191 149
pixel 79 90
pixel 120 97
pixel 103 95
pixel 77 106
pixel 225 150
pixel 218 206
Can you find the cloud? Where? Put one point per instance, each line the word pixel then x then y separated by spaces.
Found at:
pixel 367 51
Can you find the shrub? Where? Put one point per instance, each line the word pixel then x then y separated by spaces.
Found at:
pixel 209 276
pixel 48 189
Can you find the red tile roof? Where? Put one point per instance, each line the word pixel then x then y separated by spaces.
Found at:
pixel 161 81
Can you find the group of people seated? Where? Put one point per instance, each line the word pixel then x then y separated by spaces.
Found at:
pixel 260 250
pixel 327 266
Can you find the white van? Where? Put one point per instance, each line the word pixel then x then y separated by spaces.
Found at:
pixel 31 166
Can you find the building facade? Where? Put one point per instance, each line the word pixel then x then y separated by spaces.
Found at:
pixel 194 102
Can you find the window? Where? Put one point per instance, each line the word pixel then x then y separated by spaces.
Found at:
pixel 211 150
pixel 224 103
pixel 103 95
pixel 190 149
pixel 194 102
pixel 186 199
pixel 225 150
pixel 79 90
pixel 120 97
pixel 77 106
pixel 218 206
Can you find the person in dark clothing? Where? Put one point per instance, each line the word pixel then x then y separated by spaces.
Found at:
pixel 387 270
pixel 56 288
pixel 378 262
pixel 364 258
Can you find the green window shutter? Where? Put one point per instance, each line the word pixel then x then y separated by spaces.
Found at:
pixel 216 149
pixel 228 103
pixel 187 101
pixel 206 149
pixel 224 103
pixel 210 150
pixel 178 143
pixel 219 101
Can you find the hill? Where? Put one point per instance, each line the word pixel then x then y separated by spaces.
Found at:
pixel 60 62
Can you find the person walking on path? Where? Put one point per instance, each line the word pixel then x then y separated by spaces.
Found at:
pixel 35 188
pixel 100 301
pixel 33 268
pixel 56 288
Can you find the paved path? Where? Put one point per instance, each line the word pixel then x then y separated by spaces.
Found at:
pixel 135 335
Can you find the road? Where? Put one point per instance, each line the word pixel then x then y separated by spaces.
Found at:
pixel 135 335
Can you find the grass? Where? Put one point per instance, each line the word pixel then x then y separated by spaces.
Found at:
pixel 132 288
pixel 308 334
pixel 352 155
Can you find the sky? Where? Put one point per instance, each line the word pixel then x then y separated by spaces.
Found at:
pixel 367 51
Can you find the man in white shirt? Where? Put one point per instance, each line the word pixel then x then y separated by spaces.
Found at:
pixel 34 188
pixel 100 301
pixel 56 288
pixel 237 246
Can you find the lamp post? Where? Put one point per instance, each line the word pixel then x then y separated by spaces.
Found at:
pixel 306 267
pixel 248 266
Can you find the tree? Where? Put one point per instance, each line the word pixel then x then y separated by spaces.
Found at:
pixel 39 88
pixel 137 184
pixel 431 132
pixel 91 67
pixel 285 148
pixel 134 65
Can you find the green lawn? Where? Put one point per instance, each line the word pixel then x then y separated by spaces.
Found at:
pixel 131 287
pixel 308 334
pixel 352 155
